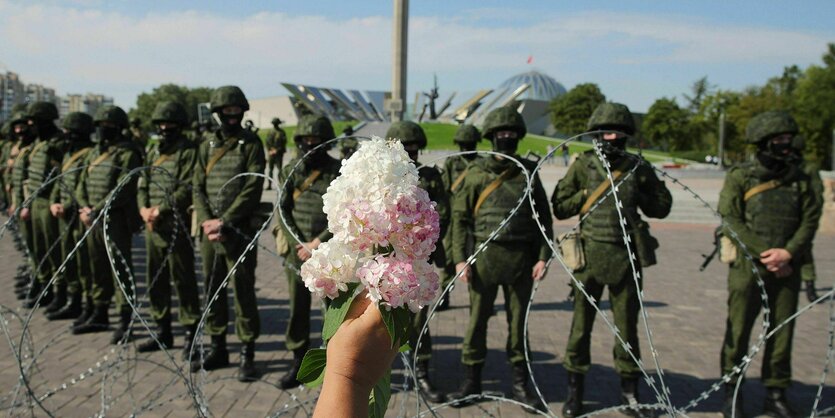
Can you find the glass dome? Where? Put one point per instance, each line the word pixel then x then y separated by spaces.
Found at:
pixel 543 87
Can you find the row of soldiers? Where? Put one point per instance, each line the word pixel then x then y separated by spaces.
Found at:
pixel 770 207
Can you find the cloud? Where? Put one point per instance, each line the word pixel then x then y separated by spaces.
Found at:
pixel 83 49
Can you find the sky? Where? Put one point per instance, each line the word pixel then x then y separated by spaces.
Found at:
pixel 636 52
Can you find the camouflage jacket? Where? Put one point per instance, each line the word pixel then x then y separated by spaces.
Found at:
pixel 169 189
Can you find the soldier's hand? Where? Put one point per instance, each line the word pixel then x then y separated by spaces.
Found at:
pixel 775 258
pixel 811 292
pixel 465 276
pixel 538 271
pixel 304 251
pixel 24 214
pixel 10 210
pixel 84 214
pixel 212 227
pixel 153 214
pixel 57 210
pixel 145 213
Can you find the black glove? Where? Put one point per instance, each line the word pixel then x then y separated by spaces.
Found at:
pixel 811 293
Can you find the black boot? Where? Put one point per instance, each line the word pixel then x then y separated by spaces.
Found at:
pixel 70 310
pixel 522 391
pixel 776 404
pixel 629 397
pixel 289 381
pixel 573 406
pixel 216 358
pixel 425 385
pixel 121 333
pixel 728 403
pixel 246 371
pixel 164 338
pixel 471 386
pixel 86 312
pixel 21 293
pixel 59 300
pixel 34 292
pixel 188 339
pixel 97 322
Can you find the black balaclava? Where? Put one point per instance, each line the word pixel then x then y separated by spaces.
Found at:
pixel 168 135
pixel 776 157
pixel 230 124
pixel 106 135
pixel 45 128
pixel 27 135
pixel 467 146
pixel 315 158
pixel 505 145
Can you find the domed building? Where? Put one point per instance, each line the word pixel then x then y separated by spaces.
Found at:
pixel 541 86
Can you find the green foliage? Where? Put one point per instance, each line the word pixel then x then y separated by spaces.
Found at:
pixel 187 96
pixel 397 323
pixel 700 89
pixel 667 126
pixel 336 312
pixel 380 396
pixel 571 111
pixel 312 369
pixel 814 110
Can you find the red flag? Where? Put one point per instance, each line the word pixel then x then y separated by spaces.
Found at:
pixel 530 59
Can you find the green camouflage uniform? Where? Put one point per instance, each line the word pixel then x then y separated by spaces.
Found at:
pixel 45 163
pixel 235 204
pixel 168 244
pixel 276 140
pixel 508 260
pixel 106 166
pixel 18 178
pixel 783 217
pixel 807 266
pixel 77 269
pixel 607 260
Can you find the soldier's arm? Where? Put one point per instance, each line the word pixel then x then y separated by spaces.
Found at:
pixel 654 198
pixel 569 195
pixel 540 198
pixel 732 209
pixel 181 196
pixel 80 185
pixel 249 197
pixel 446 175
pixel 438 194
pixel 286 206
pixel 198 184
pixel 463 203
pixel 130 159
pixel 143 192
pixel 811 207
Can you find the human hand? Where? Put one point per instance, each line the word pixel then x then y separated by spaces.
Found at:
pixel 784 271
pixel 84 213
pixel 24 214
pixel 153 214
pixel 57 210
pixel 538 272
pixel 775 258
pixel 468 271
pixel 145 214
pixel 212 229
pixel 303 251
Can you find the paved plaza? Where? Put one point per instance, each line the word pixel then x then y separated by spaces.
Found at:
pixel 80 376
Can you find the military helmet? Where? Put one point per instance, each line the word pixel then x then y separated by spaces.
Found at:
pixel 467 134
pixel 170 111
pixel 113 114
pixel 18 117
pixel 228 96
pixel 79 122
pixel 503 118
pixel 312 125
pixel 769 124
pixel 42 111
pixel 276 121
pixel 19 107
pixel 612 116
pixel 408 133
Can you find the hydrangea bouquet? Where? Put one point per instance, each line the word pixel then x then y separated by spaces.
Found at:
pixel 384 228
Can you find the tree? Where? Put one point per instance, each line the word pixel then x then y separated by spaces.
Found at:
pixel 700 89
pixel 814 109
pixel 188 97
pixel 570 112
pixel 667 126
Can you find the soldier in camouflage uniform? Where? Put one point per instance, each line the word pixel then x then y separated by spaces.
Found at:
pixel 224 209
pixel 512 261
pixel 301 206
pixel 607 261
pixel 45 164
pixel 113 157
pixel 276 144
pixel 24 135
pixel 467 138
pixel 771 208
pixel 164 199
pixel 6 145
pixel 347 147
pixel 76 277
pixel 414 140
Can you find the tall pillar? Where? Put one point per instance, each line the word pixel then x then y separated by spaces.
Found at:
pixel 399 53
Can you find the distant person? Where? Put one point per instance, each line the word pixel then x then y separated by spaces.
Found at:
pixel 564 150
pixel 276 144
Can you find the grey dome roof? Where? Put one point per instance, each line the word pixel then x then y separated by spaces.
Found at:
pixel 542 86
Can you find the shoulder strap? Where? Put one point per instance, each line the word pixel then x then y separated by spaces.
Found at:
pixel 162 158
pixel 490 189
pixel 75 157
pixel 36 149
pixel 219 154
pixel 98 161
pixel 602 187
pixel 459 179
pixel 306 183
pixel 762 187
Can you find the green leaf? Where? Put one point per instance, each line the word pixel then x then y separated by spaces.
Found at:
pixel 336 312
pixel 402 324
pixel 379 400
pixel 388 320
pixel 313 366
pixel 404 348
